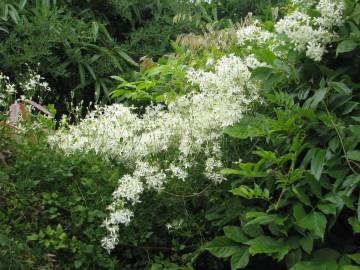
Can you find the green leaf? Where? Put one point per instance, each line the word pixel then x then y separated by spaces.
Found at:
pixel 261 73
pixel 346 46
pixel 265 55
pixel 78 264
pixel 249 127
pixel 307 266
pixel 328 209
pixel 355 224
pixel 353 155
pixel 355 257
pixel 314 222
pixel 314 101
pixel 298 211
pixel 230 171
pixel 240 259
pixel 265 244
pixel 222 247
pixel 307 244
pixel 235 233
pixel 349 267
pixel 4 240
pixel 317 163
pixel 341 88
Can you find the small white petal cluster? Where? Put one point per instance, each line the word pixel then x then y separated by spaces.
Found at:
pixel 253 33
pixel 7 89
pixel 34 83
pixel 312 34
pixel 331 13
pixel 121 216
pixel 165 143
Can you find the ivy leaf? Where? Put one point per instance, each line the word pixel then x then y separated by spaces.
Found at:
pixel 314 222
pixel 235 233
pixel 317 163
pixel 346 46
pixel 222 247
pixel 240 259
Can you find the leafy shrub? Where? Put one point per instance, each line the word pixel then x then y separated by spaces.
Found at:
pixel 50 209
pixel 299 187
pixel 71 53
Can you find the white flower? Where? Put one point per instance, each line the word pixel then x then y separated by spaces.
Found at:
pixel 312 34
pixel 129 188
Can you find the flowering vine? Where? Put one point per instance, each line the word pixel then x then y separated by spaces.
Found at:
pixel 167 143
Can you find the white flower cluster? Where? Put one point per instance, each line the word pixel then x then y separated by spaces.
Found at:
pixel 253 33
pixel 34 83
pixel 165 143
pixel 312 34
pixel 7 90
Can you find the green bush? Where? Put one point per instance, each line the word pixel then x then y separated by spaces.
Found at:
pixel 52 208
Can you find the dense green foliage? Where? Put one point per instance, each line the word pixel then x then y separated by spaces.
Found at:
pixel 291 199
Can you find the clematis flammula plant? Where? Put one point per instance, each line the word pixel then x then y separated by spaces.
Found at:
pixel 167 143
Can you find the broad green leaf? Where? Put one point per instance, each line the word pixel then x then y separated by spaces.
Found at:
pixel 249 127
pixel 263 218
pixel 308 266
pixel 222 247
pixel 341 88
pixel 346 46
pixel 314 101
pixel 265 55
pixel 328 209
pixel 298 211
pixel 314 222
pixel 355 257
pixel 265 244
pixel 240 259
pixel 301 195
pixel 293 257
pixel 307 244
pixel 317 163
pixel 253 230
pixel 353 155
pixel 235 233
pixel 349 107
pixel 261 73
